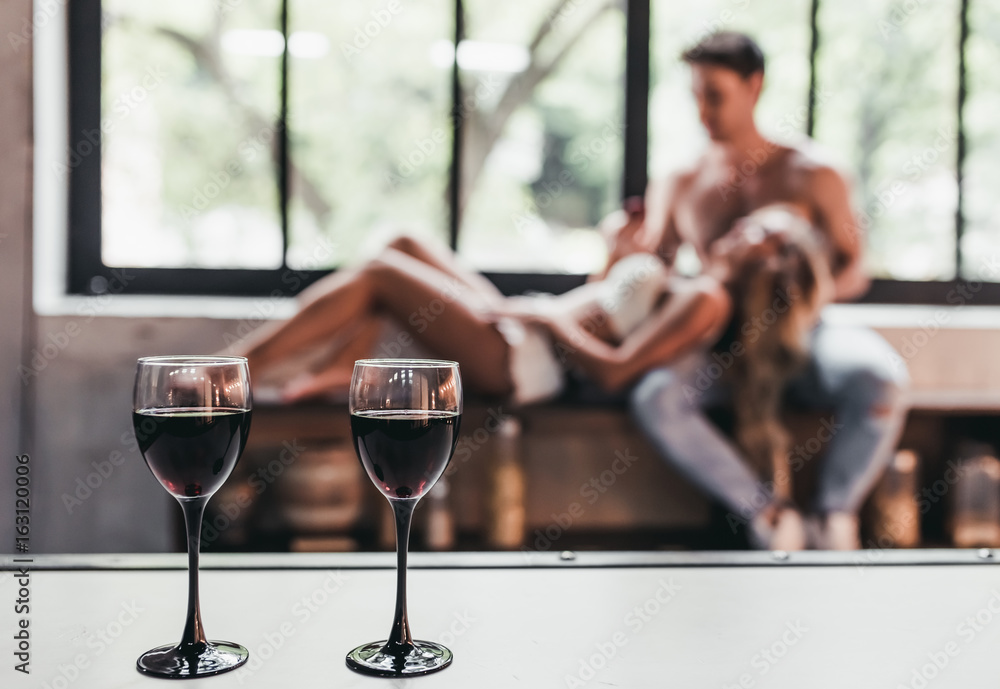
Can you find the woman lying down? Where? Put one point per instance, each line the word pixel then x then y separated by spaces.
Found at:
pixel 641 316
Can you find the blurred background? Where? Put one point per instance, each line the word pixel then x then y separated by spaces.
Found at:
pixel 174 174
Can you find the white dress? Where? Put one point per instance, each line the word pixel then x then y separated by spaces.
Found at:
pixel 628 295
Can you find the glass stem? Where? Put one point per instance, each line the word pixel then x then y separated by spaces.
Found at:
pixel 400 638
pixel 194 512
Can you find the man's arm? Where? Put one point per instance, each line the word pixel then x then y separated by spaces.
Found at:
pixel 624 231
pixel 643 225
pixel 837 221
pixel 692 318
pixel 661 227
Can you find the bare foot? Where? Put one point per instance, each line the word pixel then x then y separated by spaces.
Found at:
pixel 334 382
pixel 841 531
pixel 779 526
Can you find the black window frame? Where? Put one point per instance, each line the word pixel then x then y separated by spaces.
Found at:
pixel 87 274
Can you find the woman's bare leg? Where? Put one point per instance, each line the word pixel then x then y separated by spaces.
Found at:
pixel 444 259
pixel 277 341
pixel 419 296
pixel 333 374
pixel 458 327
pixel 328 308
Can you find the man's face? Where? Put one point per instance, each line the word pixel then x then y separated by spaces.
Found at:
pixel 725 99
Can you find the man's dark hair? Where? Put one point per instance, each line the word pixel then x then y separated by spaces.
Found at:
pixel 735 51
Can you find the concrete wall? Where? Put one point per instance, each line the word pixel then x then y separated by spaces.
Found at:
pixel 73 416
pixel 95 494
pixel 15 247
pixel 83 397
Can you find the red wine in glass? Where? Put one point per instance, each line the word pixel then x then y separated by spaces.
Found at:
pixel 191 451
pixel 405 451
pixel 405 415
pixel 191 417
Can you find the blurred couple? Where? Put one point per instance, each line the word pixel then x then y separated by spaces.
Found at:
pixel 773 227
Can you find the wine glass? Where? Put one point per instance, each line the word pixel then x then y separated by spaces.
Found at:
pixel 405 415
pixel 191 416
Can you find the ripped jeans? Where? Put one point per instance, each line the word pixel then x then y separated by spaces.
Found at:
pixel 852 372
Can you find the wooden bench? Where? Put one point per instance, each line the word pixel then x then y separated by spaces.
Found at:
pixel 551 477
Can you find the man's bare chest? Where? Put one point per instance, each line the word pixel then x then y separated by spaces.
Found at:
pixel 713 202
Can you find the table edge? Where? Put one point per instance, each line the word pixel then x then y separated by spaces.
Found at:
pixel 525 559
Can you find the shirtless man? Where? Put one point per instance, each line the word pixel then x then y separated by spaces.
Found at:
pixel 850 371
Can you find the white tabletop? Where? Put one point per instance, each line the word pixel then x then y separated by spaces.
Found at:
pixel 647 622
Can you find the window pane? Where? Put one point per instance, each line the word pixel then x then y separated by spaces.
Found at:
pixel 888 81
pixel 781 27
pixel 543 142
pixel 981 241
pixel 369 126
pixel 189 105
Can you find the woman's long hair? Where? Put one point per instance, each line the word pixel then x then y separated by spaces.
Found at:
pixel 777 296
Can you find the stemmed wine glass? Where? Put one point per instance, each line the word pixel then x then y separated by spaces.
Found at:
pixel 191 416
pixel 405 415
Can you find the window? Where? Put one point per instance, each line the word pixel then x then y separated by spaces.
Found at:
pixel 782 29
pixel 904 166
pixel 980 243
pixel 369 129
pixel 190 107
pixel 543 133
pixel 247 148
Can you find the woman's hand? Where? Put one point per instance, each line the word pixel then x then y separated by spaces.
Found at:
pixel 624 231
pixel 527 309
pixel 334 380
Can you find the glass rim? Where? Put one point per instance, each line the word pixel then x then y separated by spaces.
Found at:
pixel 406 363
pixel 192 359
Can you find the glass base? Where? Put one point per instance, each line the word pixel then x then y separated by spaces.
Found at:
pixel 378 659
pixel 198 660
